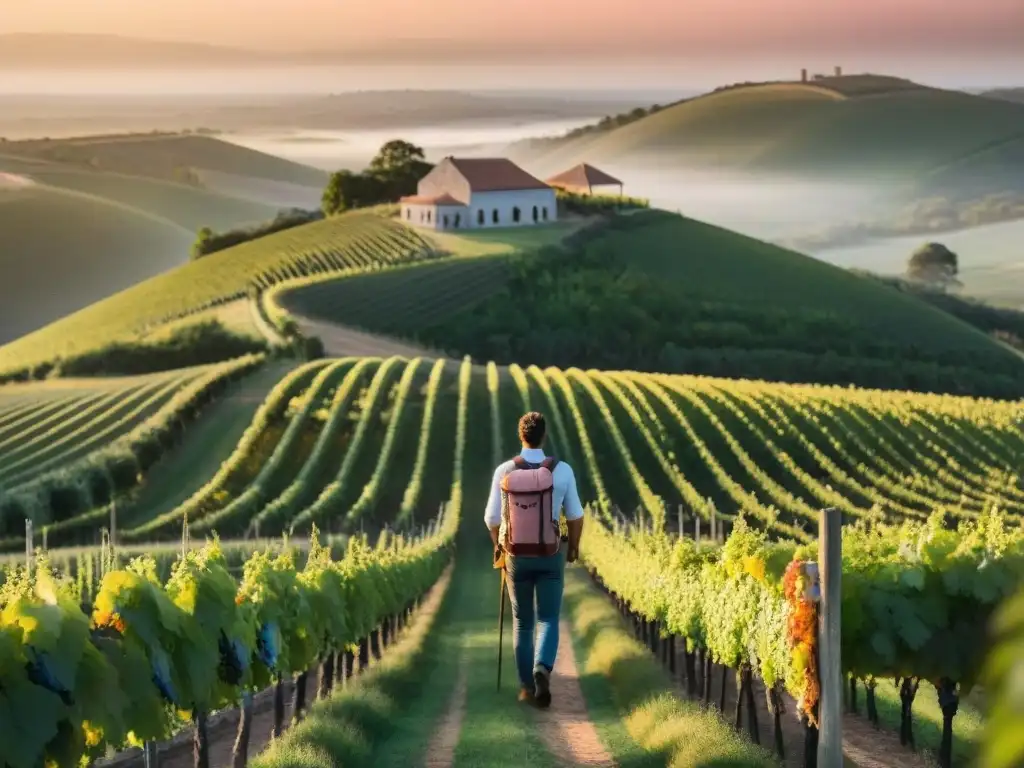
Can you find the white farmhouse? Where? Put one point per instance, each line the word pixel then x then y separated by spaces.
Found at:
pixel 474 193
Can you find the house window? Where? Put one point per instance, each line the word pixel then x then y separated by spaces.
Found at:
pixel 444 222
pixel 458 220
pixel 544 211
pixel 480 218
pixel 408 213
pixel 423 217
pixel 429 216
pixel 515 215
pixel 535 214
pixel 494 216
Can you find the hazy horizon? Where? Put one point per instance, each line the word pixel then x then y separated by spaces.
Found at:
pixel 578 26
pixel 527 44
pixel 667 79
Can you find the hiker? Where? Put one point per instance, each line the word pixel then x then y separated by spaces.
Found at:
pixel 527 494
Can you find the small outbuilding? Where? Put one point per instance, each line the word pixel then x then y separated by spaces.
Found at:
pixel 582 179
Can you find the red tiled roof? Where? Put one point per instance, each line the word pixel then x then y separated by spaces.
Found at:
pixel 444 199
pixel 582 175
pixel 495 174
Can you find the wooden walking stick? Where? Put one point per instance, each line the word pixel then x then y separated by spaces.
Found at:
pixel 499 562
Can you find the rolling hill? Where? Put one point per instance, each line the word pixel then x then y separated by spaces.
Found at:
pixel 860 127
pixel 351 242
pixel 197 161
pixel 61 251
pixel 189 207
pixel 1007 94
pixel 658 292
pixel 86 218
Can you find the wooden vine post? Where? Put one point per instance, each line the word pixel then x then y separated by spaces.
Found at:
pixel 814 593
pixel 28 546
pixel 830 675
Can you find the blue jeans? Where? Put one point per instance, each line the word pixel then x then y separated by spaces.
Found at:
pixel 542 578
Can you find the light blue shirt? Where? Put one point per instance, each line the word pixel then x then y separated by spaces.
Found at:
pixel 563 495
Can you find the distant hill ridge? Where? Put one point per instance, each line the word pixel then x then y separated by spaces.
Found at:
pixel 164 155
pixel 880 128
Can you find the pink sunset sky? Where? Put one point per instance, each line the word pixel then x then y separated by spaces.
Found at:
pixel 570 27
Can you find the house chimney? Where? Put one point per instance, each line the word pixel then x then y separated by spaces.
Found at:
pixel 803 75
pixel 839 71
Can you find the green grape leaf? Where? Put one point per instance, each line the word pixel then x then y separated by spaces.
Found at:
pixel 883 646
pixel 912 578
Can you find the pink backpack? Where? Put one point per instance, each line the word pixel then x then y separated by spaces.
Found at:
pixel 526 509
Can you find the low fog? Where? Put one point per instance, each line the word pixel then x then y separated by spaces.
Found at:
pixel 796 211
pixel 767 207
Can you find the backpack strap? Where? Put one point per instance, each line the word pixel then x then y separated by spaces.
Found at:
pixel 549 463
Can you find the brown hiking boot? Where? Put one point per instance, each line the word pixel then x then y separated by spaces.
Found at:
pixel 526 695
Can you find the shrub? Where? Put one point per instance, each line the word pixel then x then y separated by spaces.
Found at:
pixel 197 344
pixel 312 348
pixel 590 204
pixel 208 241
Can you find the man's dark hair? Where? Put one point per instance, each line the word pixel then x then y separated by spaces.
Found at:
pixel 532 429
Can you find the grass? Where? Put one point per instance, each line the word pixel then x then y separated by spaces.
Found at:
pixel 85 246
pixel 804 129
pixel 632 700
pixel 968 725
pixel 354 241
pixel 237 316
pixel 205 446
pixel 346 728
pixel 503 241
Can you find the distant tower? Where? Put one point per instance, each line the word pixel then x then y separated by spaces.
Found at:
pixel 839 71
pixel 803 75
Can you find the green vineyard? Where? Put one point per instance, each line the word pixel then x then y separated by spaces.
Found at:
pixel 347 244
pixel 928 485
pixel 71 446
pixel 73 684
pixel 344 443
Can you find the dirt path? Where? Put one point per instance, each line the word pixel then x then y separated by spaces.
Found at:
pixel 222 740
pixel 221 729
pixel 441 750
pixel 566 727
pixel 340 341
